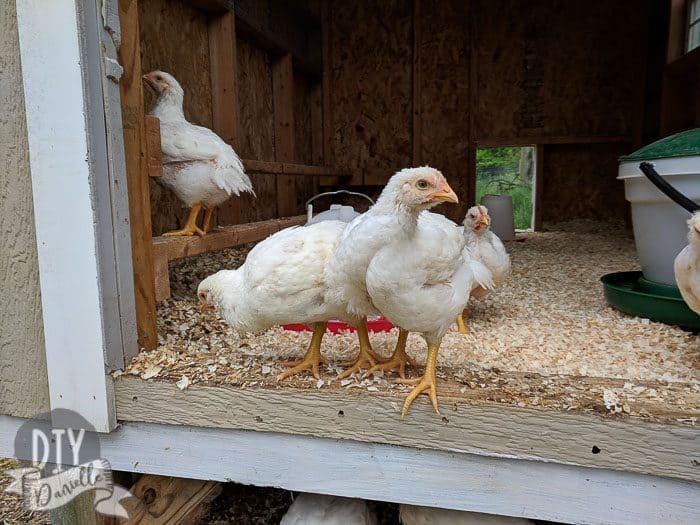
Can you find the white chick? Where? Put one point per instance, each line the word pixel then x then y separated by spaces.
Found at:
pixel 687 266
pixel 282 281
pixel 198 165
pixel 484 246
pixel 316 509
pixel 364 236
pixel 414 515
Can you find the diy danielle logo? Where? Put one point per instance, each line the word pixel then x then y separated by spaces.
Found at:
pixel 65 463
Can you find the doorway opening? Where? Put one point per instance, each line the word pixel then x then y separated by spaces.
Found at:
pixel 509 170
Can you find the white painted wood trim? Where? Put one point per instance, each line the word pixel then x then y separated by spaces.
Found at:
pixel 57 123
pixel 506 486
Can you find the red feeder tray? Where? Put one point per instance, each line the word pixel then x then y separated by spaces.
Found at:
pixel 378 324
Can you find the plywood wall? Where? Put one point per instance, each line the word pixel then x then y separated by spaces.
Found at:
pixel 371 83
pixel 23 380
pixel 553 68
pixel 580 182
pixel 257 128
pixel 444 77
pixel 493 72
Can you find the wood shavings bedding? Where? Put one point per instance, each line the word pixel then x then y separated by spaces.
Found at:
pixel 549 318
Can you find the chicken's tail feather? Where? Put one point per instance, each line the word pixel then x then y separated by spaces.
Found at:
pixel 231 176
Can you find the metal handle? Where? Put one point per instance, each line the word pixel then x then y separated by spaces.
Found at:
pixel 357 193
pixel 672 193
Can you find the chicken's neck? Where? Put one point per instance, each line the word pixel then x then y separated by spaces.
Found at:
pixel 406 216
pixel 168 107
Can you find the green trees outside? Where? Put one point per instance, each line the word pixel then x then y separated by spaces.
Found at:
pixel 508 171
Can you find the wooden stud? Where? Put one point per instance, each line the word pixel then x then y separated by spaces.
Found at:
pixel 678 26
pixel 539 186
pixel 327 83
pixel 154 151
pixel 316 110
pixel 283 102
pixel 137 174
pixel 473 105
pixel 416 91
pixel 224 74
pixel 168 501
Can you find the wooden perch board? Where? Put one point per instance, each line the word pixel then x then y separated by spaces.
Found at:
pixel 166 249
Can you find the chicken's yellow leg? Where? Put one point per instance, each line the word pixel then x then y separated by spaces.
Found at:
pixel 206 224
pixel 366 358
pixel 460 324
pixel 399 358
pixel 312 359
pixel 190 227
pixel 427 382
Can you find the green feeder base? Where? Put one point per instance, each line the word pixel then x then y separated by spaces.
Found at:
pixel 631 293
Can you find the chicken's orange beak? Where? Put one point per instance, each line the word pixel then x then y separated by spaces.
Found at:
pixel 484 220
pixel 444 194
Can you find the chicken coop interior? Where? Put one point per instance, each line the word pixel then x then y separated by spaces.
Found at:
pixel 317 96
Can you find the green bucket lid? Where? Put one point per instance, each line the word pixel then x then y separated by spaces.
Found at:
pixel 684 144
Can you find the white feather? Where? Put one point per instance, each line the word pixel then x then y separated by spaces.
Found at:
pixel 315 509
pixel 687 266
pixel 282 280
pixel 414 515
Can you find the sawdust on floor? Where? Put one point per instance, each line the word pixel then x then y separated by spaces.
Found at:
pixel 549 318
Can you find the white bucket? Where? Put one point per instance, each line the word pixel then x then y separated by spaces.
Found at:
pixel 501 212
pixel 660 229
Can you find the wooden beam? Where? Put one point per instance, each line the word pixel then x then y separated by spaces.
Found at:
pixel 416 91
pixel 282 27
pixel 224 74
pixel 327 83
pixel 539 187
pixel 169 501
pixel 283 103
pixel 288 168
pixel 137 174
pixel 530 141
pixel 678 27
pixel 154 151
pixel 226 237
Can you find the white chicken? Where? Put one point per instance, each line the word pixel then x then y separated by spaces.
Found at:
pixel 484 246
pixel 282 281
pixel 198 165
pixel 364 236
pixel 414 515
pixel 687 266
pixel 420 280
pixel 316 509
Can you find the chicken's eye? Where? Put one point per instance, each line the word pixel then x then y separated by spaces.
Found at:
pixel 158 77
pixel 421 184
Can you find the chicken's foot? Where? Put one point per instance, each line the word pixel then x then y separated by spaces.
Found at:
pixel 312 359
pixel 398 360
pixel 427 382
pixel 366 358
pixel 190 227
pixel 461 327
